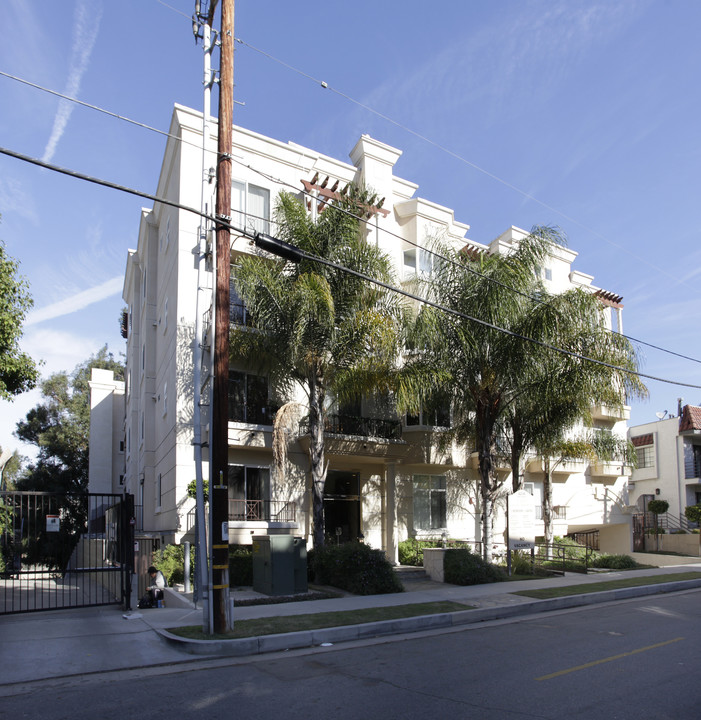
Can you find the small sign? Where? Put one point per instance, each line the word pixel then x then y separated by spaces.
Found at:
pixel 521 521
pixel 53 523
pixel 225 531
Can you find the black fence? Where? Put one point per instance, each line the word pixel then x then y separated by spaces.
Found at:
pixel 61 550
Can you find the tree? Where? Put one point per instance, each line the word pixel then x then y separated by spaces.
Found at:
pixel 60 428
pixel 558 390
pixel 508 393
pixel 18 372
pixel 319 327
pixel 478 363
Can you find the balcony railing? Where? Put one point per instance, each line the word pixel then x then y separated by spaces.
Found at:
pixel 559 512
pixel 255 511
pixel 262 510
pixel 363 426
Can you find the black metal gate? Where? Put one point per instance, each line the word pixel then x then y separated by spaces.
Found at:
pixel 639 532
pixel 63 550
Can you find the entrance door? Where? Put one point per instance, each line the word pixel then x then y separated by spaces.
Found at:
pixel 342 506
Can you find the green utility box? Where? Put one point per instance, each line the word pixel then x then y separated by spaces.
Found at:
pixel 279 564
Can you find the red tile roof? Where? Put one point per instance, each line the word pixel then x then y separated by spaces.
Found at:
pixel 691 418
pixel 640 440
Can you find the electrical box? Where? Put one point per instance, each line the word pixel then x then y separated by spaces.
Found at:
pixel 279 564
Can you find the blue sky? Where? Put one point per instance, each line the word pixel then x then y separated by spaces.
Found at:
pixel 583 115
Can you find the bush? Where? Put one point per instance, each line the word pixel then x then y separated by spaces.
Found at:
pixel 171 562
pixel 614 562
pixel 411 551
pixel 693 513
pixel 658 507
pixel 463 567
pixel 354 567
pixel 521 563
pixel 240 565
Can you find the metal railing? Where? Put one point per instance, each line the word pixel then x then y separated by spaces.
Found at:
pixel 262 510
pixel 559 512
pixel 255 511
pixel 363 426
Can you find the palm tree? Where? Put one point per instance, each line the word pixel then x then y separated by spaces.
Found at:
pixel 469 354
pixel 558 390
pixel 499 380
pixel 319 327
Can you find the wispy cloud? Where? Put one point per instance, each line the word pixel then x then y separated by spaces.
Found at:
pixel 86 23
pixel 76 302
pixel 14 196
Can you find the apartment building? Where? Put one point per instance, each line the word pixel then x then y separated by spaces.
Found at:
pixel 388 477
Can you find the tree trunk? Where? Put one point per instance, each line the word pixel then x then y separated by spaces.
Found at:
pixel 547 505
pixel 516 474
pixel 316 452
pixel 487 486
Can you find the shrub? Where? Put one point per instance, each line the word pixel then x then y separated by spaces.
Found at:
pixel 240 565
pixel 411 551
pixel 354 567
pixel 693 513
pixel 658 507
pixel 521 563
pixel 463 567
pixel 614 562
pixel 171 562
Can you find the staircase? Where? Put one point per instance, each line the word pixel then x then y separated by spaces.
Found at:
pixel 412 578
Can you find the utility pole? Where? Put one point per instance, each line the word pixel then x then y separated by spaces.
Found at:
pixel 219 438
pixel 202 29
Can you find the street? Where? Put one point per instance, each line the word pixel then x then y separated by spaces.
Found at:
pixel 635 659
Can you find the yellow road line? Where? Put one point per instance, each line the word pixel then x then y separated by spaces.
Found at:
pixel 608 659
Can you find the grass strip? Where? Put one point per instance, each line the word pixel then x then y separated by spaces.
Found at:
pixel 296 623
pixel 579 589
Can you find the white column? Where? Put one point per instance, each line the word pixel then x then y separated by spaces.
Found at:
pixel 391 548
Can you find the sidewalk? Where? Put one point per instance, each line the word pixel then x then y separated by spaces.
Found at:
pixel 37 646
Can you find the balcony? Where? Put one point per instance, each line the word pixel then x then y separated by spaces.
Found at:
pixel 610 469
pixel 262 511
pixel 265 511
pixel 559 512
pixel 604 412
pixel 361 427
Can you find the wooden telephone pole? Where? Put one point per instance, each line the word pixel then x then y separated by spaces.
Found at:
pixel 219 436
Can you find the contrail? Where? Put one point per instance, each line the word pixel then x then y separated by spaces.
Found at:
pixel 85 28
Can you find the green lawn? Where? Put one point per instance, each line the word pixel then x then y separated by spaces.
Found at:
pixel 297 623
pixel 554 592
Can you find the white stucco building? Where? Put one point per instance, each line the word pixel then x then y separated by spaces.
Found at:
pixel 387 479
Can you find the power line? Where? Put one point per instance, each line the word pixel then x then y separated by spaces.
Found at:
pixel 379 283
pixel 294 187
pixel 325 85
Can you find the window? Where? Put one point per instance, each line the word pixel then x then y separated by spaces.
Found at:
pixel 644 450
pixel 238 312
pixel 429 502
pixel 248 399
pixel 249 492
pixel 425 262
pixel 165 314
pixel 250 207
pixel 433 414
pixel 159 491
pixel 645 456
pixel 165 398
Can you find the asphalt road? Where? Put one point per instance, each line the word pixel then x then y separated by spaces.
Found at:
pixel 636 659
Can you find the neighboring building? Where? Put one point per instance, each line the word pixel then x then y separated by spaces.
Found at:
pixel 669 462
pixel 387 478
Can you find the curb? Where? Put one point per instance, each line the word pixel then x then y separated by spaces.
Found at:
pixel 345 633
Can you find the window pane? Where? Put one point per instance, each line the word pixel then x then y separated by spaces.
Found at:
pixel 237 487
pixel 238 203
pixel 237 396
pixel 258 209
pixel 257 400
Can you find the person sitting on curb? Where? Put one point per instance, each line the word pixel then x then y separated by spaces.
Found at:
pixel 157 582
